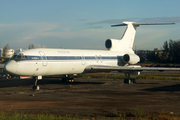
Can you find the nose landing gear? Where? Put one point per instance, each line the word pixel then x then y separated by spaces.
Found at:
pixel 35 86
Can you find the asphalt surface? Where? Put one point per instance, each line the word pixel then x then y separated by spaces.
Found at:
pixel 89 97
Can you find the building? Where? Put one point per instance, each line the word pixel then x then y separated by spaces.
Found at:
pixel 8 53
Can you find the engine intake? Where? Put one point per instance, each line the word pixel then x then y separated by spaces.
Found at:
pixel 108 44
pixel 113 44
pixel 131 58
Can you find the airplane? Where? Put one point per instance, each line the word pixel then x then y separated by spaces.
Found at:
pixel 119 56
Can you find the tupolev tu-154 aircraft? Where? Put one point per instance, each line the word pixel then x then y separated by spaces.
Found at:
pixel 119 56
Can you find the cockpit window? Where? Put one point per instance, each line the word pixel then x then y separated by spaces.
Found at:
pixel 19 57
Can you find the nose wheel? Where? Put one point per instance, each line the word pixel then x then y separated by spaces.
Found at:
pixel 35 87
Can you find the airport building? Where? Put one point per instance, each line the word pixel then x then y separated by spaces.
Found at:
pixel 8 53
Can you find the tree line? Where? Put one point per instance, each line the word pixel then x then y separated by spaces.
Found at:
pixel 170 53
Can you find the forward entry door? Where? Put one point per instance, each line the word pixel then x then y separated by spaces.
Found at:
pixel 43 58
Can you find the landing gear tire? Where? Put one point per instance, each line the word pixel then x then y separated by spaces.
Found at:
pixel 129 81
pixel 8 76
pixel 133 81
pixel 68 79
pixel 71 79
pixel 35 87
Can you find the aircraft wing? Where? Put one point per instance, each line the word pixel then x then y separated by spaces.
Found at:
pixel 99 68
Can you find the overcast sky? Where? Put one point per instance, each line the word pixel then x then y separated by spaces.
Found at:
pixel 85 24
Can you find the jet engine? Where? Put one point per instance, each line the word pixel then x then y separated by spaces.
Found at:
pixel 113 44
pixel 131 58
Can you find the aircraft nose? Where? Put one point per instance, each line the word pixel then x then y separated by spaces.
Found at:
pixel 11 67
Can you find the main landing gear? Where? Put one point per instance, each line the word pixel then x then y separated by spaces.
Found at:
pixel 67 79
pixel 35 86
pixel 128 80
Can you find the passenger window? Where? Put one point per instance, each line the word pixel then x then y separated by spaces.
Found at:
pixel 44 58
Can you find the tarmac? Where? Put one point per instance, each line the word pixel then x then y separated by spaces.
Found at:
pixel 89 97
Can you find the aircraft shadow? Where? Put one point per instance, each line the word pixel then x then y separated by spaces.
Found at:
pixel 164 88
pixel 76 83
pixel 15 82
pixel 26 82
pixel 147 83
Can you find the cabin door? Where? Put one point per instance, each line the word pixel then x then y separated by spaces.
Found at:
pixel 83 60
pixel 43 58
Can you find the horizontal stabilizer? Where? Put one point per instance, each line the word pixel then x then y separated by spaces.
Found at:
pixel 118 25
pixel 137 24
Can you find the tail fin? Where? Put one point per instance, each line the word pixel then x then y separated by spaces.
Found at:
pixel 129 34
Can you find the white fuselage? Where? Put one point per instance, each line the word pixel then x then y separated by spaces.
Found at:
pixel 42 62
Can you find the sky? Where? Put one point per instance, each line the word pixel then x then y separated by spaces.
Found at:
pixel 85 24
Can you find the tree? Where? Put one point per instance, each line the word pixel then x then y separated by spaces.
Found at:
pixel 173 51
pixel 165 47
pixel 141 56
pixel 171 42
pixel 165 52
pixel 6 47
pixel 176 53
pixel 31 46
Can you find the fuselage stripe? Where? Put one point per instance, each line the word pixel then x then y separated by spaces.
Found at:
pixel 54 58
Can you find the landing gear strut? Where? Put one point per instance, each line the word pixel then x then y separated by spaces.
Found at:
pixel 35 86
pixel 128 79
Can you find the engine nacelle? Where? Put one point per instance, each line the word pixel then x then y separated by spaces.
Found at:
pixel 131 58
pixel 113 44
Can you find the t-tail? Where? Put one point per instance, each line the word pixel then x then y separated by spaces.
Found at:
pixel 126 43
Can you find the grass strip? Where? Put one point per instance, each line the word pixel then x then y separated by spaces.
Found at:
pixel 137 114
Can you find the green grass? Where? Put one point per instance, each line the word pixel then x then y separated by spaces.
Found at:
pixel 117 76
pixel 137 114
pixel 23 116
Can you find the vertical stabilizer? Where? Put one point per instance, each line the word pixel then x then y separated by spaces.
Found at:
pixel 129 34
